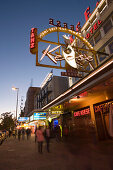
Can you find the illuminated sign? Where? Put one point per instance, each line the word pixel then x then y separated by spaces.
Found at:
pixel 40 116
pixel 65 25
pixel 55 122
pixel 33 41
pixel 71 73
pixel 57 112
pixel 31 118
pixel 70 54
pixel 82 112
pixel 95 26
pixel 104 107
pixel 23 119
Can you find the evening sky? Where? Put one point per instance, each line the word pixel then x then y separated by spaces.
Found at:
pixel 17 64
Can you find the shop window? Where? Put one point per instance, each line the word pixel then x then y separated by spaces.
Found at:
pixel 111 47
pixel 107 26
pixel 97 37
pixel 101 56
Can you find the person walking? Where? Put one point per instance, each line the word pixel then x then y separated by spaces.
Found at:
pixel 23 133
pixel 19 134
pixel 40 139
pixel 47 137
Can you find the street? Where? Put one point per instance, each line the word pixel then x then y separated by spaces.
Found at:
pixel 23 155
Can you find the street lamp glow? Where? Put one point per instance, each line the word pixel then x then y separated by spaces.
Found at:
pixel 14 88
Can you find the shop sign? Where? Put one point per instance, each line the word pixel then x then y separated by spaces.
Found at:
pixel 39 116
pixel 71 73
pixel 102 107
pixel 23 119
pixel 82 112
pixel 33 44
pixel 31 118
pixel 56 112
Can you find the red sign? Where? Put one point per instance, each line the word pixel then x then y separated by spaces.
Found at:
pixel 82 112
pixel 95 26
pixel 33 41
pixel 102 107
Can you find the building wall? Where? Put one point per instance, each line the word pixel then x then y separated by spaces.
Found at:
pixel 29 104
pixel 102 37
pixel 51 90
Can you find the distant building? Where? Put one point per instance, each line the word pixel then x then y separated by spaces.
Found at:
pixel 29 103
pixel 53 88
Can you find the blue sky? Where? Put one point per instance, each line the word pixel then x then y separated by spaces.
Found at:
pixel 17 65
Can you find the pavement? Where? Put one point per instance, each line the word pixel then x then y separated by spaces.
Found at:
pixel 64 155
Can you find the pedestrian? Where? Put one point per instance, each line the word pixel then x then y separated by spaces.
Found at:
pixel 40 139
pixel 47 137
pixel 35 134
pixel 19 134
pixel 58 133
pixel 65 132
pixel 27 133
pixel 23 133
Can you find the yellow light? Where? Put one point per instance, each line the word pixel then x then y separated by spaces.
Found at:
pixel 49 119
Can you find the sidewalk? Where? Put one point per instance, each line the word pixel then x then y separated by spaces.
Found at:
pixel 23 155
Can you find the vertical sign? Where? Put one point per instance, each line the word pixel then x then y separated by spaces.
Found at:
pixel 33 41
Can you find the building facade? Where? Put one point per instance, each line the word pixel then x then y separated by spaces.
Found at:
pixel 30 102
pixel 88 104
pixel 52 89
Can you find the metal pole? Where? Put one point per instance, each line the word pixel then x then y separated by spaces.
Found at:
pixel 17 103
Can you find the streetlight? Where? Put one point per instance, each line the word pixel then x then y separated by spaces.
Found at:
pixel 17 89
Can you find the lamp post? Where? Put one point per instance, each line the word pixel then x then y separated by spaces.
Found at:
pixel 17 89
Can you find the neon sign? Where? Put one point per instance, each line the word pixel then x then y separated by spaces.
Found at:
pixel 82 112
pixel 102 107
pixel 95 26
pixel 33 42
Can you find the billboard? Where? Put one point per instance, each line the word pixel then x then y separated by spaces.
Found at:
pixel 23 119
pixel 40 116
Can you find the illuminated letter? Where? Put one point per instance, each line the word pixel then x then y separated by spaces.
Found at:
pixel 99 22
pixel 88 35
pixel 87 13
pixel 91 30
pixel 58 24
pixel 51 21
pixel 72 27
pixel 78 27
pixel 65 25
pixel 95 26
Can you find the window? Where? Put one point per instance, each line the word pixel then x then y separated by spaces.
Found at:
pixel 97 37
pixel 102 56
pixel 91 42
pixel 111 47
pixel 107 26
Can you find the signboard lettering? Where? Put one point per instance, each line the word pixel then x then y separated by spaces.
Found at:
pixel 82 112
